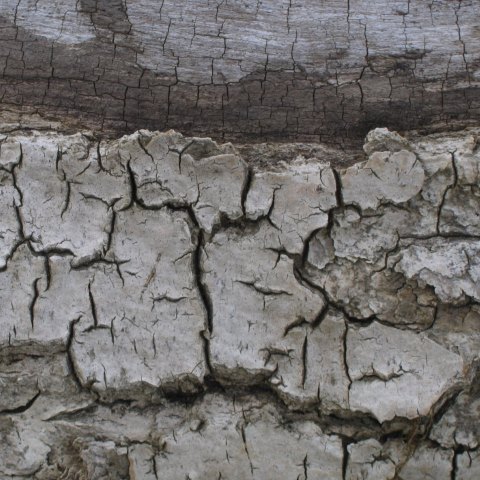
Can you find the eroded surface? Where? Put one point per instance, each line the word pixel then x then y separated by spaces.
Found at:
pixel 170 312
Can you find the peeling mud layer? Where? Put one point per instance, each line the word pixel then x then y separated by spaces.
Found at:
pixel 172 311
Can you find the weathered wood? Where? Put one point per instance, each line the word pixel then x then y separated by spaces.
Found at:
pixel 267 69
pixel 169 312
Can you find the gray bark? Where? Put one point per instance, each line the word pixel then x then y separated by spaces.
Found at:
pixel 176 308
pixel 169 311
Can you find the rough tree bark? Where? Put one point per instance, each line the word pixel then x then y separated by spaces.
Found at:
pixel 176 308
pixel 269 69
pixel 169 311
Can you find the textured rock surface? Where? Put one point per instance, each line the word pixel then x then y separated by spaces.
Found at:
pixel 170 310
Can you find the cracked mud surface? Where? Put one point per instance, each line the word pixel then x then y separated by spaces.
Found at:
pixel 172 311
pixel 271 69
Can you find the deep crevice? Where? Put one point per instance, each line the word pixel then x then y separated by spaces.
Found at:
pixel 21 408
